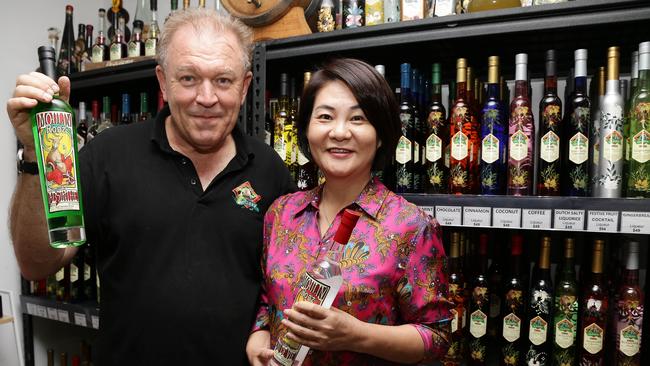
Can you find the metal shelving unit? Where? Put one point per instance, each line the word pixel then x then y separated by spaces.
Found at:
pixel 83 314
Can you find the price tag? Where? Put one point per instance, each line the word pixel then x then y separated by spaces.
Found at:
pixel 80 319
pixel 569 219
pixel 506 217
pixel 477 216
pixel 64 316
pixel 95 320
pixel 536 219
pixel 449 215
pixel 430 210
pixel 603 221
pixel 635 222
pixel 52 314
pixel 30 309
pixel 41 311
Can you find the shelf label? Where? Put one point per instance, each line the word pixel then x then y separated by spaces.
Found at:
pixel 635 222
pixel 604 221
pixel 449 215
pixel 41 311
pixel 476 216
pixel 80 319
pixel 64 316
pixel 95 320
pixel 52 314
pixel 30 309
pixel 430 210
pixel 536 219
pixel 506 217
pixel 569 219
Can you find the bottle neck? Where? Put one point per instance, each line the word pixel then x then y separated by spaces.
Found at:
pixel 461 91
pixel 521 88
pixel 580 84
pixel 436 93
pixel 516 266
pixel 405 95
pixel 568 269
pixel 493 91
pixel 631 277
pixel 644 80
pixel 550 85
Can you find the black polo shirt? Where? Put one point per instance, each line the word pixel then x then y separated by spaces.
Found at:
pixel 179 266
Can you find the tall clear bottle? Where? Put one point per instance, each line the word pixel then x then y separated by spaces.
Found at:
pixel 575 145
pixel 539 309
pixel 55 143
pixel 494 136
pixel 101 51
pixel 565 310
pixel 151 43
pixel 629 322
pixel 319 285
pixel 66 63
pixel 437 137
pixel 550 134
pixel 521 134
pixel 142 14
pixel 609 176
pixel 634 82
pixel 638 184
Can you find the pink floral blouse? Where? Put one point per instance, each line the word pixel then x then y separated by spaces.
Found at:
pixel 392 268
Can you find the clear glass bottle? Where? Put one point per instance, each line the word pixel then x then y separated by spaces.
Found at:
pixel 151 44
pixel 521 134
pixel 326 21
pixel 142 14
pixel 638 184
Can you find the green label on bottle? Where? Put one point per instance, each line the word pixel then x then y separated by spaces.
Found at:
pixel 56 135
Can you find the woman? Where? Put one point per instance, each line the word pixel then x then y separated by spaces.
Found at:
pixel 392 306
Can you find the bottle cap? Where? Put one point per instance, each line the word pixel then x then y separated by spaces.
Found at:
pixel 493 69
pixel 381 69
pixel 644 56
pixel 521 58
pixel 521 63
pixel 348 221
pixel 551 65
pixel 405 68
pixel 632 255
pixel 644 47
pixel 580 63
pixel 435 73
pixel 47 61
pixel 635 64
pixel 69 8
pixel 580 54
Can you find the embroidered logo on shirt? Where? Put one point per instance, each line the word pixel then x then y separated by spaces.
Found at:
pixel 245 196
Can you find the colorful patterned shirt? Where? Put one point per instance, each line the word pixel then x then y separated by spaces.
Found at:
pixel 392 268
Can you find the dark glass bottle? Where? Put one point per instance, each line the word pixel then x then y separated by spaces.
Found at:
pixel 281 118
pixel 76 278
pixel 82 126
pixel 114 14
pixel 550 134
pixel 144 107
pixel 593 312
pixel 89 273
pixel 437 174
pixel 66 64
pixel 479 308
pixel 575 143
pixel 539 310
pixel 136 46
pixel 63 359
pixel 86 56
pixel 50 357
pixel 416 132
pixel 565 310
pixel 458 299
pixel 404 151
pixel 494 136
pixel 514 308
pixel 306 176
pixel 495 284
pixel 80 46
pixel 125 118
pixel 629 322
pixel 119 49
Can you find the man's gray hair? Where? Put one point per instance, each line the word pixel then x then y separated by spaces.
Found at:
pixel 202 19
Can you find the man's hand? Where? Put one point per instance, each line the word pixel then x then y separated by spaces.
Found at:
pixel 30 89
pixel 323 329
pixel 258 348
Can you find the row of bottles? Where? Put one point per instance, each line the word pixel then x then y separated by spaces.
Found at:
pixel 343 14
pixel 502 317
pixel 84 359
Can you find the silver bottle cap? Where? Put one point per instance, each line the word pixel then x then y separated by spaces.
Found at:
pixel 381 69
pixel 644 56
pixel 632 255
pixel 635 64
pixel 521 65
pixel 581 62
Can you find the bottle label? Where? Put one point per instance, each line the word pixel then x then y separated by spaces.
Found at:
pixel 60 274
pixel 454 320
pixel 302 159
pixel 56 136
pixel 86 271
pixel 613 147
pixel 74 273
pixel 478 324
pixel 459 146
pixel 98 54
pixel 629 340
pixel 403 150
pixel 134 49
pixel 592 340
pixel 490 149
pixel 641 146
pixel 412 9
pixel 374 12
pixel 116 51
pixel 537 330
pixel 433 148
pixel 518 146
pixel 280 145
pixel 566 320
pixel 550 149
pixel 150 46
pixel 511 327
pixel 565 333
pixel 416 152
pixel 578 148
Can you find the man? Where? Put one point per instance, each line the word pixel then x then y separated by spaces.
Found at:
pixel 174 205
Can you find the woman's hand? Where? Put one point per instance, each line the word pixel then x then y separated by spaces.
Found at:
pixel 258 348
pixel 323 329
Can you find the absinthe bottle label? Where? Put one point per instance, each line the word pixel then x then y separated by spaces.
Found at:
pixel 56 133
pixel 433 148
pixel 592 340
pixel 613 147
pixel 403 151
pixel 459 146
pixel 550 147
pixel 641 146
pixel 490 149
pixel 566 320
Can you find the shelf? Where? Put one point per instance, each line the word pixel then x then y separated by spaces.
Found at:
pixel 586 214
pixel 125 72
pixel 6 319
pixel 82 314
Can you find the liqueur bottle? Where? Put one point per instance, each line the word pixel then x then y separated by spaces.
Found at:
pixel 479 308
pixel 629 322
pixel 82 126
pixel 495 284
pixel 598 86
pixel 593 312
pixel 306 175
pixel 521 134
pixel 575 145
pixel 66 63
pixel 539 310
pixel 634 82
pixel 141 18
pixel 374 12
pixel 151 43
pixel 565 310
pixel 118 49
pixel 444 7
pixel 76 278
pixel 290 132
pixel 136 46
pixel 353 15
pixel 80 46
pixel 481 5
pixel 63 284
pixel 458 299
pixel 391 11
pixel 550 111
pixel 514 308
pixel 494 136
pixel 144 107
pixel 609 176
pixel 114 13
pixel 101 52
pixel 326 21
pixel 404 165
pixel 412 10
pixel 638 184
pixel 55 142
pixel 105 117
pixel 86 55
pixel 281 118
pixel 463 132
pixel 416 133
pixel 319 285
pixel 437 174
pixel 125 118
pixel 53 36
pixel 63 359
pixel 89 273
pixel 50 357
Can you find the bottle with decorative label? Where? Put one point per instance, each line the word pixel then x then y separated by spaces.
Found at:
pixel 629 309
pixel 479 308
pixel 151 43
pixel 494 136
pixel 114 13
pixel 416 132
pixel 575 145
pixel 521 134
pixel 118 49
pixel 593 313
pixel 136 46
pixel 437 137
pixel 597 93
pixel 495 284
pixel 100 51
pixel 457 297
pixel 141 17
pixel 80 46
pixel 412 10
pixel 290 131
pixel 82 126
pixel 281 118
pixel 638 183
pixel 55 142
pixel 391 11
pixel 550 135
pixel 404 151
pixel 539 309
pixel 565 309
pixel 76 278
pixel 66 63
pixel 634 82
pixel 353 13
pixel 326 22
pixel 514 308
pixel 320 285
pixel 374 12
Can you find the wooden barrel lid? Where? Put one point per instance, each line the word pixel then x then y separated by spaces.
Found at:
pixel 267 13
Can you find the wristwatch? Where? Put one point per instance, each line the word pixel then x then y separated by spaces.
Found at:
pixel 29 167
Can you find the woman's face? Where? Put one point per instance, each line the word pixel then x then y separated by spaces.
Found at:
pixel 342 141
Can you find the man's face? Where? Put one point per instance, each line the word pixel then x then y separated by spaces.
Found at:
pixel 205 83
